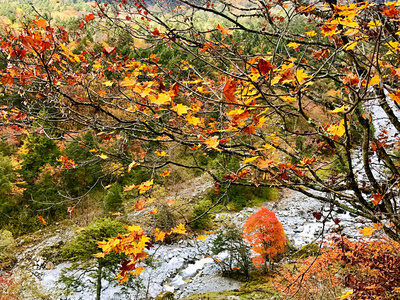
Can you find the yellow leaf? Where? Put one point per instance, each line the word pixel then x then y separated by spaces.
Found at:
pixel 302 76
pixel 160 235
pixel 162 153
pixel 107 187
pixel 338 109
pixel 193 120
pixel 366 231
pixel 345 296
pixel 235 112
pixel 97 66
pixel 311 33
pixel 374 24
pixel 212 143
pixel 202 237
pixel 202 90
pixel 138 270
pixel 166 173
pixel 250 159
pixel 108 83
pixel 99 255
pixel 293 45
pixel 350 46
pixel 154 211
pixel 162 99
pixel 338 130
pixel 179 229
pixel 374 80
pixel 181 109
pixel 289 99
pixel 93 150
pixel 102 156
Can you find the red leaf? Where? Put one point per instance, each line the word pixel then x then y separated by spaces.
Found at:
pixel 317 215
pixel 264 66
pixel 216 187
pixel 81 25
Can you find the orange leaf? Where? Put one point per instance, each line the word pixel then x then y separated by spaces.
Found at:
pixel 377 198
pixel 212 143
pixel 166 173
pixel 140 205
pixel 102 93
pixel 229 89
pixel 222 29
pixel 41 23
pixel 89 17
pixel 42 220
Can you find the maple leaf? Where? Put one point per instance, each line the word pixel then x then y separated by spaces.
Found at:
pixel 365 231
pixel 395 97
pixel 161 99
pixel 145 186
pixel 229 89
pixel 154 211
pixel 42 220
pixel 264 66
pixel 222 29
pixel 162 153
pixel 170 201
pixel 181 109
pixel 339 109
pixel 140 205
pixel 89 17
pixel 301 76
pixel 337 130
pixel 311 33
pixel 41 23
pixel 212 143
pixel 180 229
pixel 102 156
pixel 202 237
pixel 377 198
pixel 166 173
pixel 159 235
pixel 93 150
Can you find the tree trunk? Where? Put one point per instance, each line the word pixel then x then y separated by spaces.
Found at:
pixel 98 285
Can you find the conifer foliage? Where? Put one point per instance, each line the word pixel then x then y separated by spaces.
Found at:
pixel 265 234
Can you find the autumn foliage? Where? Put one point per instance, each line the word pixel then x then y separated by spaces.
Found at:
pixel 367 268
pixel 265 234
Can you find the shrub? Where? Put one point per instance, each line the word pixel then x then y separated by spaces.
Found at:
pixel 238 260
pixel 370 268
pixel 265 234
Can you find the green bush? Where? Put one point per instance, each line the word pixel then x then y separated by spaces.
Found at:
pixel 238 260
pixel 203 222
pixel 113 199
